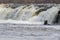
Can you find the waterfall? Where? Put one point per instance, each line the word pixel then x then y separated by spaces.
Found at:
pixel 29 13
pixel 48 15
pixel 12 14
pixel 4 12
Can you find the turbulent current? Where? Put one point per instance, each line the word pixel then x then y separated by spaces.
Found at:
pixel 29 13
pixel 26 23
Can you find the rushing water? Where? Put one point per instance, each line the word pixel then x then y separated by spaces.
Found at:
pixel 29 13
pixel 29 32
pixel 22 31
pixel 48 15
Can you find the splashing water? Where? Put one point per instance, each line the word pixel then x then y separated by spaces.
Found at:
pixel 28 13
pixel 48 15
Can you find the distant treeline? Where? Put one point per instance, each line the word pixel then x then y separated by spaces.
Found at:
pixel 29 1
